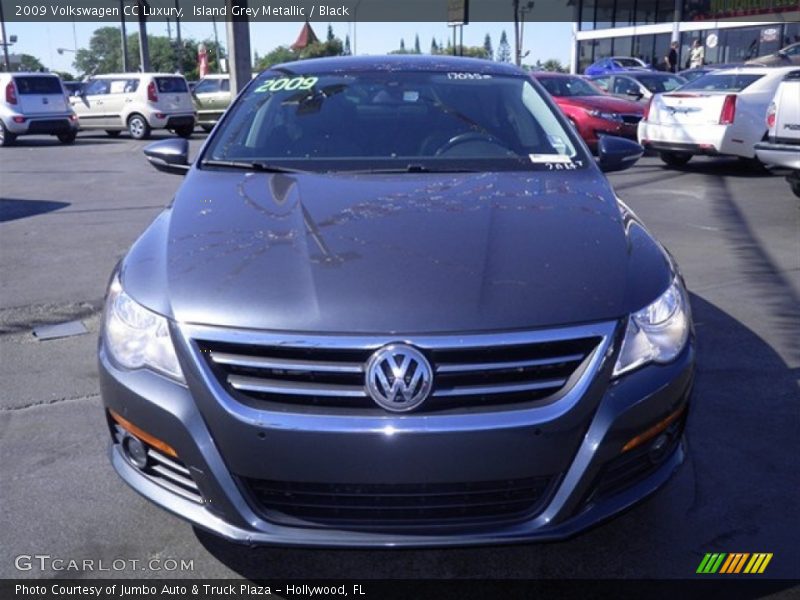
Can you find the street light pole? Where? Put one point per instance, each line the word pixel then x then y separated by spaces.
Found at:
pixel 178 38
pixel 144 48
pixel 6 61
pixel 124 38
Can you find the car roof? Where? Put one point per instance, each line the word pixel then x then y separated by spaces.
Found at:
pixel 137 74
pixel 31 74
pixel 758 70
pixel 538 74
pixel 398 62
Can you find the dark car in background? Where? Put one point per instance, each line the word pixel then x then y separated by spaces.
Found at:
pixel 697 72
pixel 785 57
pixel 395 302
pixel 592 111
pixel 639 87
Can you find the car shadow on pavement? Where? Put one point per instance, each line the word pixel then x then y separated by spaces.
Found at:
pixel 722 167
pixel 731 495
pixel 12 209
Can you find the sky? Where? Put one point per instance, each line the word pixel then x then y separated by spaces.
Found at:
pixel 542 40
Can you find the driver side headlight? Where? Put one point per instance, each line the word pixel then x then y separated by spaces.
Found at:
pixel 658 332
pixel 608 116
pixel 137 338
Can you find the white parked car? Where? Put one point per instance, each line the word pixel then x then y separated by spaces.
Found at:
pixel 720 113
pixel 136 103
pixel 35 103
pixel 782 146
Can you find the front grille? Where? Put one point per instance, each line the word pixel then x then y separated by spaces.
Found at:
pixel 166 471
pixel 380 506
pixel 500 371
pixel 631 119
pixel 49 126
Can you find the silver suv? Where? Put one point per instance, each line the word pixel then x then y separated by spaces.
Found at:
pixel 136 103
pixel 35 103
pixel 782 146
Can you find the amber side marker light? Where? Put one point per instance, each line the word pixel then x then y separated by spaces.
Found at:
pixel 649 434
pixel 143 435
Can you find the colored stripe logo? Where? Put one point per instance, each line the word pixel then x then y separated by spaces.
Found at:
pixel 734 563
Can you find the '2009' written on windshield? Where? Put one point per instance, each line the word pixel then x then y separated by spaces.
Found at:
pixel 288 84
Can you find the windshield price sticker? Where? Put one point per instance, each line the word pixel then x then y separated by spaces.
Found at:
pixel 464 76
pixel 287 83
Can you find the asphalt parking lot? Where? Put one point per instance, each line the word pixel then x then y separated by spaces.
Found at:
pixel 68 213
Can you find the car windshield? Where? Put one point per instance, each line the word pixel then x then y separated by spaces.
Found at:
pixel 627 62
pixel 379 120
pixel 569 86
pixel 717 82
pixel 661 83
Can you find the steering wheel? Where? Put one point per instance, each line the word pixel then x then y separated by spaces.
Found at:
pixel 465 138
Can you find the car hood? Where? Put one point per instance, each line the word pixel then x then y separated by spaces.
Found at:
pixel 404 253
pixel 604 103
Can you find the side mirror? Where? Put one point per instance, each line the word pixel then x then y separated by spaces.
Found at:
pixel 617 154
pixel 169 156
pixel 634 94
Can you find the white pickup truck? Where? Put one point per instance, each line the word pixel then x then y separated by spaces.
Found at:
pixel 782 146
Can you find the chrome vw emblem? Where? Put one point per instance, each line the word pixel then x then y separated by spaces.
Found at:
pixel 399 377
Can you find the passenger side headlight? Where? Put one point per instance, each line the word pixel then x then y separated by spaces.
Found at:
pixel 658 332
pixel 136 337
pixel 608 116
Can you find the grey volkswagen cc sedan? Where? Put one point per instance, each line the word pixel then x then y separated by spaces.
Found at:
pixel 395 301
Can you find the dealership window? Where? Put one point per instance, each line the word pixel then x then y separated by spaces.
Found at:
pixel 661 44
pixel 791 33
pixel 585 55
pixel 587 14
pixel 602 48
pixel 623 46
pixel 646 11
pixel 605 14
pixel 624 14
pixel 740 44
pixel 769 40
pixel 643 47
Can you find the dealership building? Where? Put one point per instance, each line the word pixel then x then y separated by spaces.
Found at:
pixel 731 30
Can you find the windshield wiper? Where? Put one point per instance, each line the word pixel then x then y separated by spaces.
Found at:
pixel 410 168
pixel 250 166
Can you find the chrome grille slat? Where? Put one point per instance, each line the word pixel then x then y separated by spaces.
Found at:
pixel 270 370
pixel 503 366
pixel 273 386
pixel 479 390
pixel 240 360
pixel 168 462
pixel 174 477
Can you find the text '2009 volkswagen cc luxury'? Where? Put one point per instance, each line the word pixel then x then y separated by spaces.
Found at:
pixel 395 302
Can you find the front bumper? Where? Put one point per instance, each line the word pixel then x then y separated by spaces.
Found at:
pixel 576 448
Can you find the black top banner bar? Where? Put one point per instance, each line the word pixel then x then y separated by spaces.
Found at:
pixel 111 11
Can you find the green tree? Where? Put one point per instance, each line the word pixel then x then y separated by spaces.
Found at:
pixel 104 54
pixel 64 75
pixel 346 50
pixel 553 65
pixel 278 55
pixel 487 46
pixel 504 49
pixel 330 37
pixel 28 62
pixel 434 46
pixel 416 44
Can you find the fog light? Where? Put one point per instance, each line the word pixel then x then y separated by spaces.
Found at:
pixel 658 449
pixel 135 451
pixel 19 119
pixel 161 115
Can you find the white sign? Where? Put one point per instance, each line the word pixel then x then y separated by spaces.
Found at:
pixel 712 40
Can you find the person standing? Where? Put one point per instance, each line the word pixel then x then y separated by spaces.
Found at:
pixel 672 58
pixel 697 56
